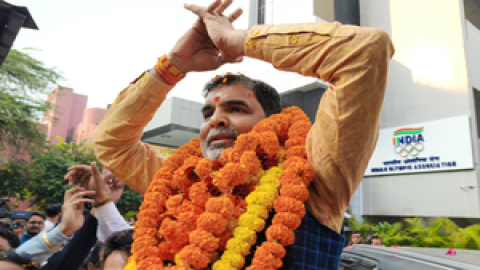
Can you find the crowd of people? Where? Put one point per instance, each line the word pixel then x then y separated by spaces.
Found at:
pixel 331 155
pixel 69 235
pixel 357 239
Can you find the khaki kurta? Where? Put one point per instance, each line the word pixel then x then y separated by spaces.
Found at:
pixel 352 59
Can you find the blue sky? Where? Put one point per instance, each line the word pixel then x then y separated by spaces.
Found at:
pixel 100 46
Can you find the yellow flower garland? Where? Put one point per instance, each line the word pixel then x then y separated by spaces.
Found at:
pixel 194 208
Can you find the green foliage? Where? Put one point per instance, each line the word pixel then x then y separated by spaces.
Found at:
pixel 392 233
pixel 415 232
pixel 24 82
pixel 470 237
pixel 129 202
pixel 41 180
pixel 421 235
pixel 13 178
pixel 50 167
pixel 363 227
pixel 130 214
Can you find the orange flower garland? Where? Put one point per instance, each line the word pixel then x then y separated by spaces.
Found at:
pixel 196 209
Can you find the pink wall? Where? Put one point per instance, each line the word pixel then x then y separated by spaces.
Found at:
pixel 79 103
pixel 60 99
pixel 69 112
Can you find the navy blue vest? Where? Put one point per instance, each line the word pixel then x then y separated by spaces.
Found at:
pixel 316 246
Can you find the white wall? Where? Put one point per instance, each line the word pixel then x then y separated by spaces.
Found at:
pixel 428 80
pixel 473 54
pixel 428 75
pixel 177 111
pixel 288 11
pixel 472 45
pixel 422 194
pixel 356 203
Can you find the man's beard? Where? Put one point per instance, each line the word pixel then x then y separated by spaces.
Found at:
pixel 214 152
pixel 33 232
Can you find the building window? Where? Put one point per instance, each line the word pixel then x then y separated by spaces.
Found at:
pixel 476 98
pixel 261 11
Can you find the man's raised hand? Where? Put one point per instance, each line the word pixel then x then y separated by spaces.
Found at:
pixel 115 185
pixel 72 209
pixel 99 183
pixel 195 50
pixel 78 174
pixel 225 38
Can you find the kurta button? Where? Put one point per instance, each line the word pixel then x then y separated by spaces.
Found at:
pixel 255 32
pixel 294 39
pixel 251 43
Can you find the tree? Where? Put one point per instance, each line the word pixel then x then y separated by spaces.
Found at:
pixel 24 81
pixel 42 182
pixel 129 202
pixel 13 175
pixel 46 171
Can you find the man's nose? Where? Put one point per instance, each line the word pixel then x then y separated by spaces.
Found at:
pixel 218 120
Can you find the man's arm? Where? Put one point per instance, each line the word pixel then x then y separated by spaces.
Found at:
pixel 44 245
pixel 107 190
pixel 354 61
pixel 38 249
pixel 74 253
pixel 117 138
pixel 109 221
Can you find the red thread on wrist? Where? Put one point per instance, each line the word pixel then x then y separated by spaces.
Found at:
pixel 169 73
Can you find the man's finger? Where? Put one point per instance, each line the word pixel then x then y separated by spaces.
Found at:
pixel 68 175
pixel 109 177
pixel 95 172
pixel 228 59
pixel 198 10
pixel 234 15
pixel 213 5
pixel 82 201
pixel 79 167
pixel 83 180
pixel 82 194
pixel 119 185
pixel 224 5
pixel 69 193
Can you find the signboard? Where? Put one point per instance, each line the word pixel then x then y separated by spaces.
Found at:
pixel 440 145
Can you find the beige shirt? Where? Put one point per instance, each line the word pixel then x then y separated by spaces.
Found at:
pixel 352 59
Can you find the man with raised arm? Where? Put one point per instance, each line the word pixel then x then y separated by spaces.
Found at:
pixel 354 60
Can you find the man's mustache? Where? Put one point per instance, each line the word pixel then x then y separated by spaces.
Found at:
pixel 220 131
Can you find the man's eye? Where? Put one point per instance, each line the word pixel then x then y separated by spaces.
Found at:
pixel 207 115
pixel 236 109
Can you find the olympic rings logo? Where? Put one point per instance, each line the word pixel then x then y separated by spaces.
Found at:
pixel 409 149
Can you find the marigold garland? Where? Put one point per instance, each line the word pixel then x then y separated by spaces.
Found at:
pixel 197 211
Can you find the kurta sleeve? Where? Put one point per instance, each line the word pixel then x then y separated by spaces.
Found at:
pixel 117 137
pixel 354 60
